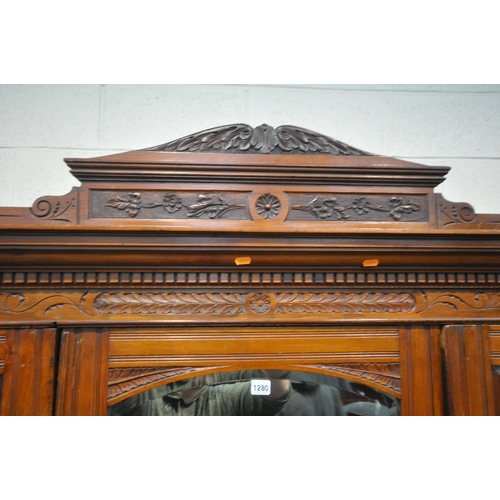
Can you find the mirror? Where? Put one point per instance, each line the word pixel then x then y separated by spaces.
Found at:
pixel 260 392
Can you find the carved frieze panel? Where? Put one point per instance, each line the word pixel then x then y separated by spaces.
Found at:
pixel 169 205
pixel 230 304
pixel 251 306
pixel 357 207
pixel 273 205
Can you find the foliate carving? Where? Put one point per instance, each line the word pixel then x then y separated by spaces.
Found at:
pixel 329 207
pixel 170 303
pixel 16 303
pixel 132 204
pixel 60 209
pixel 241 138
pixel 268 206
pixel 382 375
pixel 347 303
pixel 323 208
pixel 213 209
pixel 211 206
pixel 482 301
pixel 125 381
pixel 254 303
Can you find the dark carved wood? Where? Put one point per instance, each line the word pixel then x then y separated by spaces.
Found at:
pixel 126 382
pixel 262 139
pixel 249 248
pixel 383 376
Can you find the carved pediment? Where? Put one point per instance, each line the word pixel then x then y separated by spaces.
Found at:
pixel 241 138
pixel 242 154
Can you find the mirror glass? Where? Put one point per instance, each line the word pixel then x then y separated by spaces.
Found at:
pixel 260 392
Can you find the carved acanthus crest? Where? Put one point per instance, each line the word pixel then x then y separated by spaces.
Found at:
pixel 241 138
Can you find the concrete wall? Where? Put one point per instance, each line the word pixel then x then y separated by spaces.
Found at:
pixel 453 125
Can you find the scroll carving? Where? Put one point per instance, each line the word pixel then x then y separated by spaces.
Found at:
pixel 481 301
pixel 59 209
pixel 241 138
pixel 385 376
pixel 454 213
pixel 92 303
pixel 16 303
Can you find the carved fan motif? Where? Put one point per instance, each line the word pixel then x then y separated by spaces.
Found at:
pixel 241 138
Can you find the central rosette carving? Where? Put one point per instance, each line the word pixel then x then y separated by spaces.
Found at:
pixel 259 303
pixel 268 206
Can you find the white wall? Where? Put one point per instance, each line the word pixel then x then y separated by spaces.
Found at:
pixel 453 125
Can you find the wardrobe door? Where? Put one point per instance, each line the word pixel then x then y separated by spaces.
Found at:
pixel 421 370
pixel 83 372
pixel 27 362
pixel 471 380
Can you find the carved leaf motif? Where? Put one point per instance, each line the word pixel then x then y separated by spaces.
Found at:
pixel 241 138
pixel 330 207
pixel 124 381
pixel 131 205
pixel 323 209
pixel 169 303
pixel 213 209
pixel 347 303
pixel 383 375
pixel 232 304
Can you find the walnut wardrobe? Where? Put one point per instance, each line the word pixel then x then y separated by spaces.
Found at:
pixel 240 248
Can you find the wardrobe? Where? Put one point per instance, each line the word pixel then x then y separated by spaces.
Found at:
pixel 237 249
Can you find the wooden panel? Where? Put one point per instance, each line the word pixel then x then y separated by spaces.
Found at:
pixel 494 336
pixel 3 339
pixel 28 382
pixel 496 391
pixel 421 384
pixel 256 346
pixel 468 369
pixel 252 345
pixel 83 372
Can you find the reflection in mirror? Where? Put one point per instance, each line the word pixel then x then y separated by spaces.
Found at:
pixel 260 392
